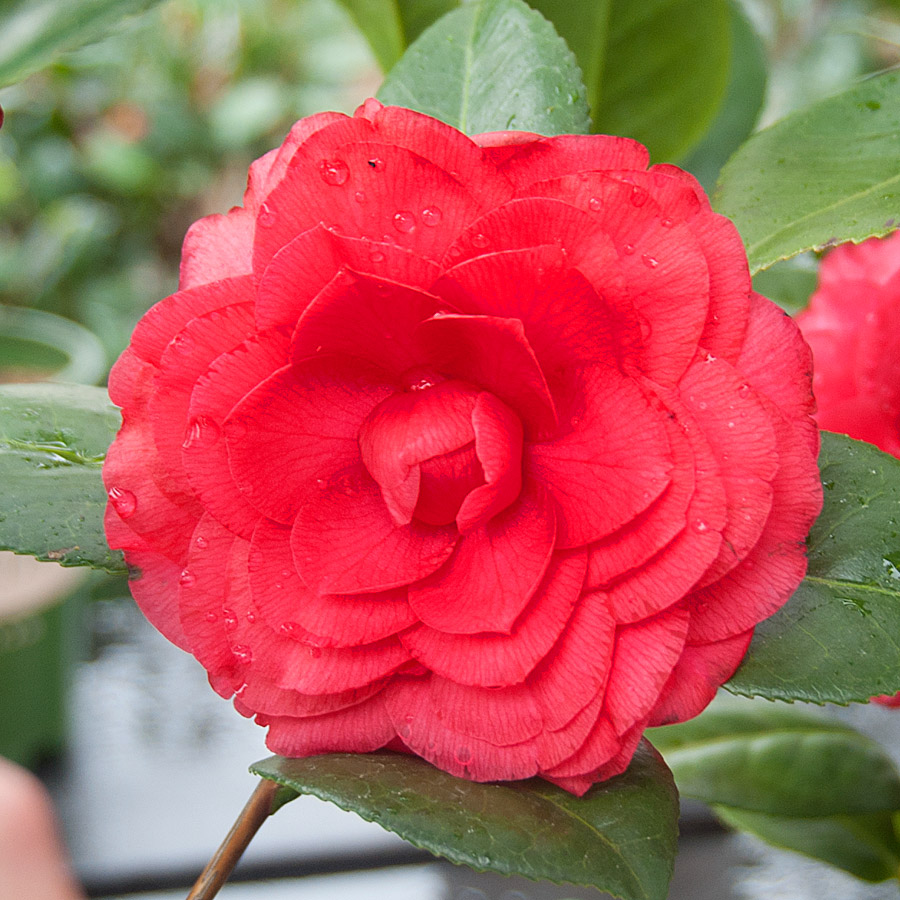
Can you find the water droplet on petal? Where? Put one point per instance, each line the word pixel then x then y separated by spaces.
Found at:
pixel 376 164
pixel 124 502
pixel 667 222
pixel 595 204
pixel 432 216
pixel 211 617
pixel 201 542
pixel 250 616
pixel 265 218
pixel 315 652
pixel 638 195
pixel 700 525
pixel 187 578
pixel 404 221
pixel 182 342
pixel 377 256
pixel 229 619
pixel 235 430
pixel 463 755
pixel 242 653
pixel 405 732
pixel 201 432
pixel 480 241
pixel 334 171
pixel 359 197
pixel 651 262
pixel 628 249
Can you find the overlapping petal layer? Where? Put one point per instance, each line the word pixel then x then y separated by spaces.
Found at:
pixel 479 449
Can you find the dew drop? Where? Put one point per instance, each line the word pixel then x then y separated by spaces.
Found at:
pixel 700 525
pixel 455 252
pixel 667 222
pixel 266 218
pixel 651 262
pixel 432 216
pixel 404 221
pixel 405 732
pixel 702 404
pixel 235 430
pixel 182 342
pixel 731 424
pixel 201 432
pixel 250 616
pixel 334 171
pixel 211 617
pixel 595 204
pixel 377 256
pixel 288 629
pixel 229 619
pixel 202 543
pixel 187 578
pixel 242 653
pixel 628 249
pixel 376 164
pixel 124 502
pixel 359 197
pixel 315 652
pixel 480 241
pixel 638 196
pixel 463 755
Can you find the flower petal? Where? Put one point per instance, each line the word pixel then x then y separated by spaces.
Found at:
pixel 284 601
pixel 493 573
pixel 622 460
pixel 345 542
pixel 297 428
pixel 495 659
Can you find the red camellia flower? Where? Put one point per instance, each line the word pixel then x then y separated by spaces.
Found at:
pixel 481 450
pixel 853 327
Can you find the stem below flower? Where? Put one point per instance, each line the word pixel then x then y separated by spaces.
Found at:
pixel 217 870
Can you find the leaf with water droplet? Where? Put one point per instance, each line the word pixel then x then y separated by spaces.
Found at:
pixel 488 63
pixel 838 638
pixel 53 439
pixel 620 837
pixel 780 211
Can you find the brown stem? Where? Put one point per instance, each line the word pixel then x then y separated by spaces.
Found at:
pixel 245 827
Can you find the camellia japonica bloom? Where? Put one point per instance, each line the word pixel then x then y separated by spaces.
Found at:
pixel 478 449
pixel 853 327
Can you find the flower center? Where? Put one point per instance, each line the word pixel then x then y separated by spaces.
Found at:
pixel 443 451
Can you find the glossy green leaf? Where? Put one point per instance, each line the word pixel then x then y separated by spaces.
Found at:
pixel 391 25
pixel 53 439
pixel 619 837
pixel 743 101
pixel 838 638
pixel 584 27
pixel 35 32
pixel 866 846
pixel 789 283
pixel 778 760
pixel 490 66
pixel 821 176
pixel 665 72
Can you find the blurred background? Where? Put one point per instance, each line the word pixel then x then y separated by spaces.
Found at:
pixel 106 157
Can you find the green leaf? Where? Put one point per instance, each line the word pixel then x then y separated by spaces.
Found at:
pixel 838 638
pixel 391 25
pixel 619 837
pixel 821 176
pixel 665 72
pixel 53 439
pixel 584 27
pixel 779 761
pixel 789 283
pixel 864 845
pixel 35 33
pixel 491 66
pixel 741 106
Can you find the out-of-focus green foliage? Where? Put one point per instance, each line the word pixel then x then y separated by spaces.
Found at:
pixel 109 155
